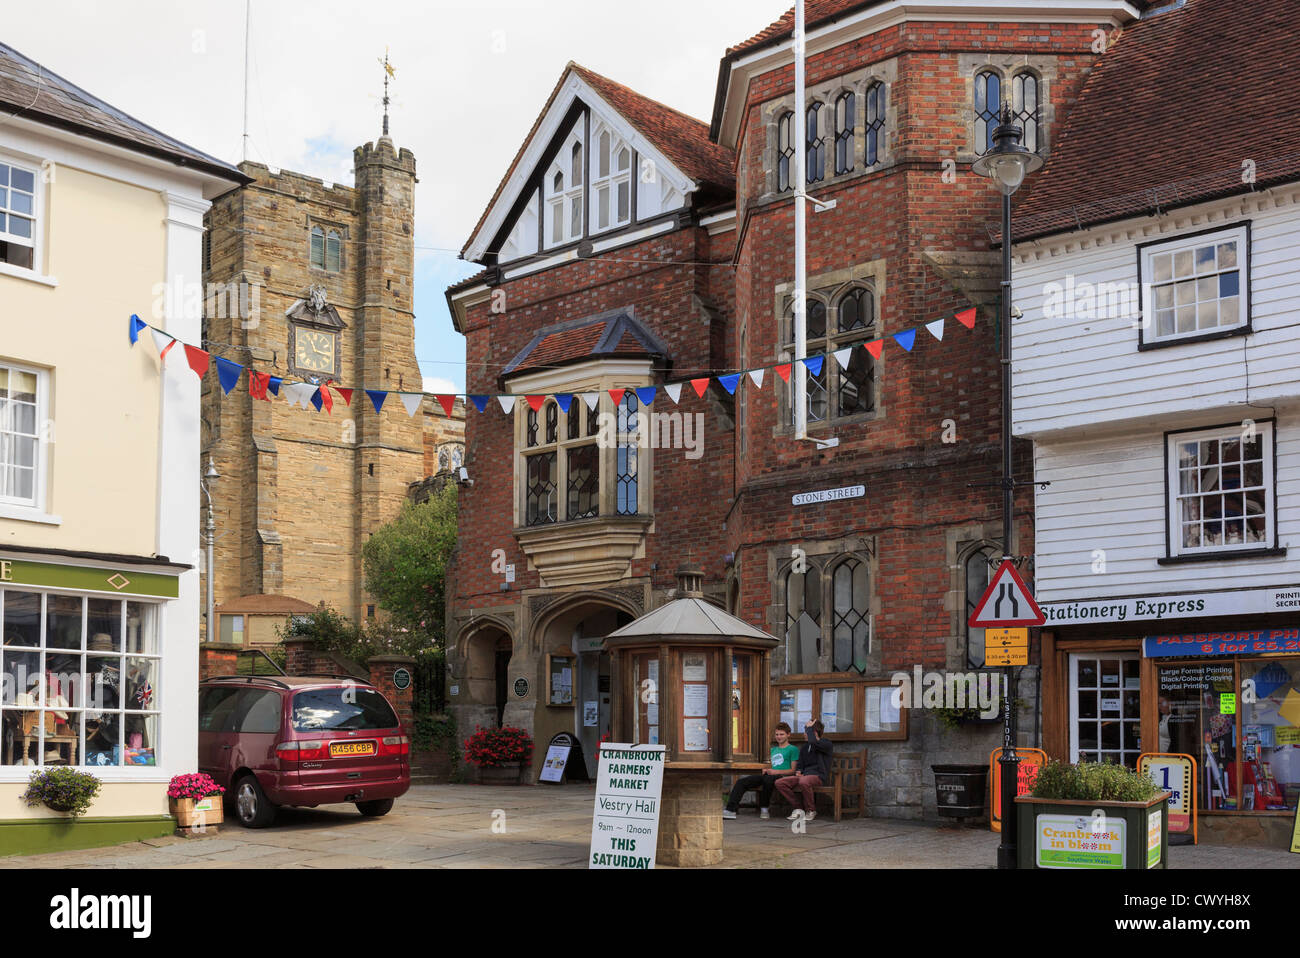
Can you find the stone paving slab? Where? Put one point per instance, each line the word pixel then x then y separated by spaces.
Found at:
pixel 449 826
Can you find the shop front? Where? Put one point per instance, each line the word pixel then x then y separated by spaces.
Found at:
pixel 1223 689
pixel 88 681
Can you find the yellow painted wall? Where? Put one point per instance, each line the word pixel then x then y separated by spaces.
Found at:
pixel 104 243
pixel 114 799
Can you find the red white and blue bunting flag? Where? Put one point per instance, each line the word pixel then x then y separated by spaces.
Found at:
pixel 263 386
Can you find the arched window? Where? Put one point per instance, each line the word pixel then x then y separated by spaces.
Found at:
pixel 317 247
pixel 815 324
pixel 977 581
pixel 444 460
pixel 611 185
pixel 803 615
pixel 875 124
pixel 851 625
pixel 845 107
pixel 333 252
pixel 816 144
pixel 564 196
pixel 855 385
pixel 457 456
pixel 1024 107
pixel 784 150
pixel 988 104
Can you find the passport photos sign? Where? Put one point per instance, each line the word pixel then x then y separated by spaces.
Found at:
pixel 625 821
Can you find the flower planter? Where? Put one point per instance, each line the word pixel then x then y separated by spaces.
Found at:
pixel 511 773
pixel 1068 833
pixel 195 815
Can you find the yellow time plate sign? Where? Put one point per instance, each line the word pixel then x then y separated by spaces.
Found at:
pixel 1006 638
pixel 1008 656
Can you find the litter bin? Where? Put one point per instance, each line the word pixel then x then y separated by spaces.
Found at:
pixel 960 790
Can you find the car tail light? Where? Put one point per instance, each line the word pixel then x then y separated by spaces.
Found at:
pixel 395 745
pixel 308 751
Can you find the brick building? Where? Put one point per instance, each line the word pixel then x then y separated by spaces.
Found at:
pixel 313 281
pixel 694 276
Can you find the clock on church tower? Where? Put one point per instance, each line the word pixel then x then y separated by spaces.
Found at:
pixel 314 327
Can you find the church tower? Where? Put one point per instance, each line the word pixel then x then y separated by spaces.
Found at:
pixel 311 282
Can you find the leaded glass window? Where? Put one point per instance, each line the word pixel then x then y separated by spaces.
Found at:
pixel 816 144
pixel 1024 107
pixel 784 150
pixel 851 628
pixel 583 465
pixel 875 124
pixel 977 581
pixel 626 455
pixel 845 106
pixel 803 612
pixel 540 499
pixel 988 104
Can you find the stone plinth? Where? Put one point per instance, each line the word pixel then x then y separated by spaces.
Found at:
pixel 690 819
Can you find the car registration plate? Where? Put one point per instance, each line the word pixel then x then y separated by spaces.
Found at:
pixel 351 748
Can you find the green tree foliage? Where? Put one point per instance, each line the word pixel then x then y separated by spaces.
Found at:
pixel 405 564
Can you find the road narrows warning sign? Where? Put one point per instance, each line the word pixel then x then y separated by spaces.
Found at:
pixel 1007 602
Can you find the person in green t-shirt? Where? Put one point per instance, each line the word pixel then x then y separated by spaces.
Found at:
pixel 784 755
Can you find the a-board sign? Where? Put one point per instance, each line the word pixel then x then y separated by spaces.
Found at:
pixel 625 819
pixel 1295 831
pixel 1176 774
pixel 1031 760
pixel 563 760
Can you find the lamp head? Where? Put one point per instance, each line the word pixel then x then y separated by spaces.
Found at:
pixel 1007 162
pixel 212 472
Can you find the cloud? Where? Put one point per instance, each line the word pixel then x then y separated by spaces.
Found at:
pixel 436 384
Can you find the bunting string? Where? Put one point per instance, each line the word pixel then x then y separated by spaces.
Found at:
pixel 319 395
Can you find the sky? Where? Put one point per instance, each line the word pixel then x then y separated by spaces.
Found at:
pixel 471 78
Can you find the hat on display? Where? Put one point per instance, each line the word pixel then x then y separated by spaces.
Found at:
pixel 100 642
pixel 54 757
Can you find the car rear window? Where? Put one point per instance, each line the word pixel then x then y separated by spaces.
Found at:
pixel 346 708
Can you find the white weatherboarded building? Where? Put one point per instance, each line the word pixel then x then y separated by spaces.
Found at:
pixel 1156 361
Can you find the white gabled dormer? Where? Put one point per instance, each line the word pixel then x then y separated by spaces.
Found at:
pixel 586 171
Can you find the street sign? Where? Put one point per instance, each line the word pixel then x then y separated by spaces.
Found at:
pixel 1006 638
pixel 1003 657
pixel 1006 602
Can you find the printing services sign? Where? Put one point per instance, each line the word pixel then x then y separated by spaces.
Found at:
pixel 1252 642
pixel 625 823
pixel 1178 606
pixel 829 495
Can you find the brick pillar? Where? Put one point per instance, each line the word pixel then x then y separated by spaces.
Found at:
pixel 382 668
pixel 299 653
pixel 690 819
pixel 218 658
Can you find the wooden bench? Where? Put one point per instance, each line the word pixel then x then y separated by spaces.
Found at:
pixel 848 780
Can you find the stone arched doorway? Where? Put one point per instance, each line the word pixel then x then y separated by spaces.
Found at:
pixel 479 687
pixel 579 701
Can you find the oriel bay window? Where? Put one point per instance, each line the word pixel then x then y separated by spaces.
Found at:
pixel 582 461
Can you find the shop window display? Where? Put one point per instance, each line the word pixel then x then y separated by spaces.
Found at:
pixel 79 678
pixel 1241 722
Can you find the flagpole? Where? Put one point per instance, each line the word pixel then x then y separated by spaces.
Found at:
pixel 248 4
pixel 800 229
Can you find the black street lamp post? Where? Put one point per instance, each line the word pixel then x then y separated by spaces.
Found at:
pixel 1007 162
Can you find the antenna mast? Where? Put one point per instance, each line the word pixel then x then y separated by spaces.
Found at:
pixel 248 4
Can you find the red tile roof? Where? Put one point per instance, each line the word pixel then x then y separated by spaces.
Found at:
pixel 683 139
pixel 1169 115
pixel 814 12
pixel 615 333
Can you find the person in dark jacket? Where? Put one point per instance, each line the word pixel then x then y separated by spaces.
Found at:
pixel 812 769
